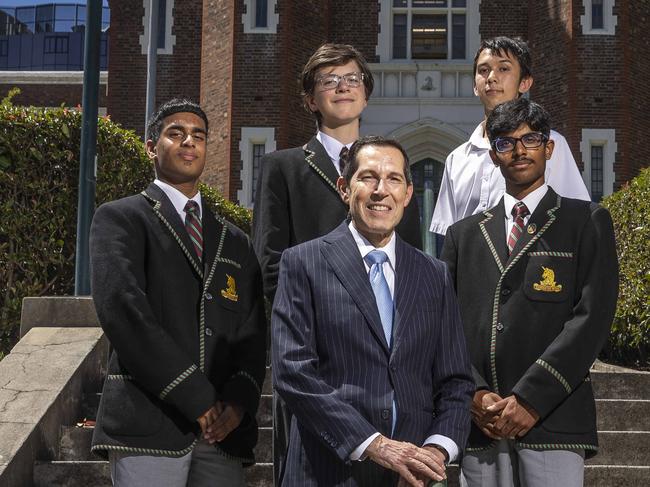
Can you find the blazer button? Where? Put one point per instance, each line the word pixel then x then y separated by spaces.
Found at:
pixel 505 291
pixel 499 326
pixel 208 331
pixel 385 414
pixel 208 296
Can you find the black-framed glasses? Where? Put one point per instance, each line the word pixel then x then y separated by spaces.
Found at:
pixel 530 140
pixel 331 81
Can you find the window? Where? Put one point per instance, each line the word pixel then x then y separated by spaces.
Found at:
pixel 598 148
pixel 55 45
pixel 4 48
pixel 255 142
pixel 166 41
pixel 259 17
pixel 599 18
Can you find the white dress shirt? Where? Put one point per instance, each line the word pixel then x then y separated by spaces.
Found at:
pixel 389 269
pixel 178 199
pixel 332 147
pixel 471 183
pixel 531 201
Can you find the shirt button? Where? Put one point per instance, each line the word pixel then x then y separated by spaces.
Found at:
pixel 208 296
pixel 208 331
pixel 499 326
pixel 385 414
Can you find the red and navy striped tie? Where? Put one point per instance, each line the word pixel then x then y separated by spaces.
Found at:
pixel 193 226
pixel 519 212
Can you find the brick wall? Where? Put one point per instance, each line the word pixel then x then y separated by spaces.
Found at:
pixel 47 95
pixel 506 18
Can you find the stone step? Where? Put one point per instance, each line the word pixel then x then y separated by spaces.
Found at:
pixel 72 474
pixel 623 448
pixel 623 414
pixel 264 448
pixel 90 405
pixel 615 475
pixel 621 385
pixel 267 386
pixel 265 411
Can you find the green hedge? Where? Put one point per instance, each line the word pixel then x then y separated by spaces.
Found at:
pixel 629 342
pixel 39 170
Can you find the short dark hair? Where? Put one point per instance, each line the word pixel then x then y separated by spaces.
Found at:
pixel 352 164
pixel 333 55
pixel 175 105
pixel 509 116
pixel 502 46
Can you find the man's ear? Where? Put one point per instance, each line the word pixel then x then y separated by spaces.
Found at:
pixel 151 149
pixel 344 189
pixel 409 194
pixel 495 159
pixel 548 150
pixel 525 85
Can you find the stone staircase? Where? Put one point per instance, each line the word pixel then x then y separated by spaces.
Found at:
pixel 623 421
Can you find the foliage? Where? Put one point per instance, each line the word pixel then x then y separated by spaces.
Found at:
pixel 39 168
pixel 629 342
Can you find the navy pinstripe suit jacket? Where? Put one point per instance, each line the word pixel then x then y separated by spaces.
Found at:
pixel 333 367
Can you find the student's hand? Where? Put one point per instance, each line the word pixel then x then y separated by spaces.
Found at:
pixel 208 417
pixel 482 416
pixel 415 465
pixel 516 417
pixel 229 418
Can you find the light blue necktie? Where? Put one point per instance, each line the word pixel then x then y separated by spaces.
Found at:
pixel 375 260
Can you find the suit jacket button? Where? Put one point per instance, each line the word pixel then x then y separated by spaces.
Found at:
pixel 499 326
pixel 385 414
pixel 208 296
pixel 208 331
pixel 505 291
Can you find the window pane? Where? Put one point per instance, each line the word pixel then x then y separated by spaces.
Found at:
pixel 64 25
pixel 162 22
pixel 597 14
pixel 399 36
pixel 596 172
pixel 459 4
pixel 258 152
pixel 25 15
pixel 458 36
pixel 81 14
pixel 66 12
pixel 4 48
pixel 429 3
pixel 106 15
pixel 429 37
pixel 261 13
pixel 400 3
pixel 45 13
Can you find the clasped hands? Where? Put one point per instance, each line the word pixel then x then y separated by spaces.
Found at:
pixel 501 418
pixel 218 421
pixel 416 465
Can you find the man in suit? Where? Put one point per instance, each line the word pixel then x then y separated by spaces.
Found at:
pixel 368 349
pixel 536 278
pixel 296 198
pixel 178 292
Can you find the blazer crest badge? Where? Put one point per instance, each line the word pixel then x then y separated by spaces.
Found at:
pixel 231 291
pixel 547 284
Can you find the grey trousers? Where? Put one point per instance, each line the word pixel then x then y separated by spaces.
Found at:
pixel 507 465
pixel 202 467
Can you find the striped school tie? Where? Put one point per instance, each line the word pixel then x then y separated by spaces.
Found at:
pixel 193 226
pixel 519 212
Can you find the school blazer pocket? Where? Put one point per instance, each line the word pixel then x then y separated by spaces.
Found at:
pixel 226 289
pixel 128 410
pixel 549 276
pixel 576 414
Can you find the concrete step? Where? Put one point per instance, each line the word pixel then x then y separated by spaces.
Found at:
pixel 89 405
pixel 616 475
pixel 621 385
pixel 267 387
pixel 265 411
pixel 623 414
pixel 72 474
pixel 264 448
pixel 623 448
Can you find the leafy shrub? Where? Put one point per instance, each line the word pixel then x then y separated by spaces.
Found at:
pixel 629 342
pixel 39 171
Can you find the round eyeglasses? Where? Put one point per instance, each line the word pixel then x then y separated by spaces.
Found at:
pixel 530 140
pixel 332 81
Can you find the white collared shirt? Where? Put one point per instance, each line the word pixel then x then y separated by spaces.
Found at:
pixel 332 147
pixel 471 183
pixel 178 199
pixel 389 268
pixel 531 200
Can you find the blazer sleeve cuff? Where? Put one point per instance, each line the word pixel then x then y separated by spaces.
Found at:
pixel 191 393
pixel 244 390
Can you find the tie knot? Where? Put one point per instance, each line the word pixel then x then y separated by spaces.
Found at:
pixel 192 207
pixel 376 257
pixel 519 210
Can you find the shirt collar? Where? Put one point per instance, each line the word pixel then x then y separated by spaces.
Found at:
pixel 332 146
pixel 531 200
pixel 365 247
pixel 178 199
pixel 477 139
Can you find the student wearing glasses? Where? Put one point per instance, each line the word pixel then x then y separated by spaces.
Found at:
pixel 537 281
pixel 471 183
pixel 296 198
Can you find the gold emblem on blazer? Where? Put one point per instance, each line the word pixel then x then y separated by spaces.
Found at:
pixel 532 228
pixel 230 292
pixel 547 284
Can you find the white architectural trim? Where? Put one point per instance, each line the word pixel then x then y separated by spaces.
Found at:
pixel 385 37
pixel 47 77
pixel 249 137
pixel 170 40
pixel 428 137
pixel 607 139
pixel 248 18
pixel 609 19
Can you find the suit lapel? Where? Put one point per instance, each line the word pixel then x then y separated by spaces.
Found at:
pixel 342 254
pixel 406 282
pixel 316 157
pixel 493 228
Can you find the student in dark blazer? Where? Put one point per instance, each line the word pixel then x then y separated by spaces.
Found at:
pixel 178 292
pixel 537 286
pixel 376 374
pixel 296 199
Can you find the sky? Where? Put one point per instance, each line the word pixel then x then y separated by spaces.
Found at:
pixel 29 3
